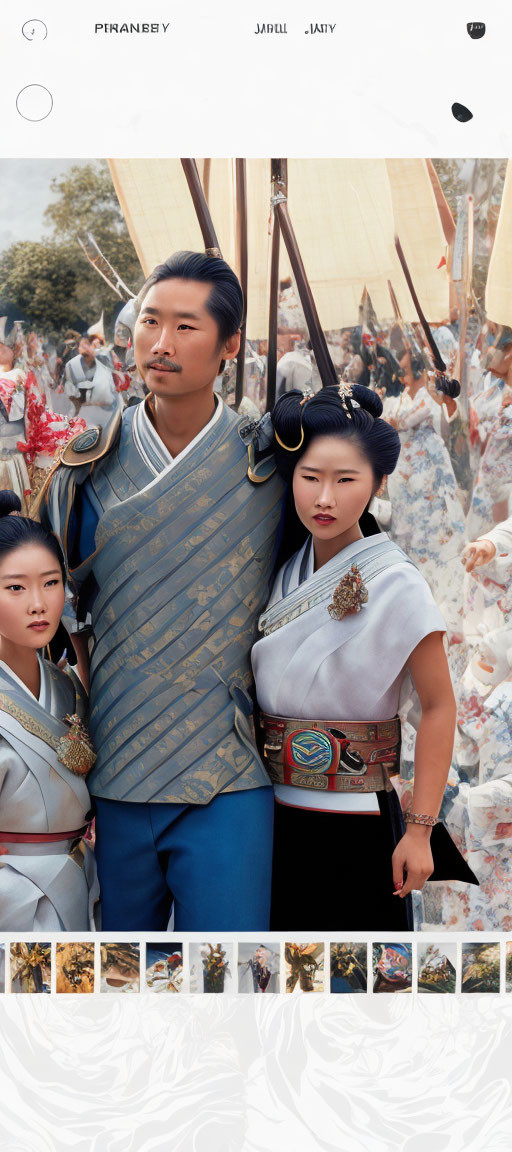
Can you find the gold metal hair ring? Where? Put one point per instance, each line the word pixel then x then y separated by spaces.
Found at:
pixel 285 446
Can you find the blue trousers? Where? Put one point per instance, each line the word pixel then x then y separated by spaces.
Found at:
pixel 212 861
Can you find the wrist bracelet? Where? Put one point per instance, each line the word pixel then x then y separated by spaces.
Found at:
pixel 417 818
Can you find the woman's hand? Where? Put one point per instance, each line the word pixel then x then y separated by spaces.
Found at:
pixel 413 856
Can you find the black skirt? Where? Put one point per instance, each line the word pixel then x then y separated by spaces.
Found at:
pixel 332 871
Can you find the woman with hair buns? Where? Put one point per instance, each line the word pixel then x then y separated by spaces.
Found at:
pixel 350 618
pixel 47 874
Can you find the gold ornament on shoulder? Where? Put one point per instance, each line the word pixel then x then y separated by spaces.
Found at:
pixel 349 595
pixel 75 750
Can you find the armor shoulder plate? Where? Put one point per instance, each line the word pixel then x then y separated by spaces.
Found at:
pixel 92 444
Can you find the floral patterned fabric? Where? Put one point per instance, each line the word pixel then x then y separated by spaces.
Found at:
pixel 427 517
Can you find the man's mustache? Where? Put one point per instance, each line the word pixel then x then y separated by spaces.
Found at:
pixel 161 362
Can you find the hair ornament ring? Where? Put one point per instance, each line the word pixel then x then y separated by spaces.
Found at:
pixel 345 394
pixel 286 446
pixel 308 395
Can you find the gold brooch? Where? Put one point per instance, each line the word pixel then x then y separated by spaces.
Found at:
pixel 75 750
pixel 349 595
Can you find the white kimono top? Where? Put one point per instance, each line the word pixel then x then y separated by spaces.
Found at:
pixel 316 668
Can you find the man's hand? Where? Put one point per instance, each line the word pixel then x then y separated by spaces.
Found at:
pixel 477 553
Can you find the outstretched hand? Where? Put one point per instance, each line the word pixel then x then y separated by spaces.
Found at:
pixel 477 553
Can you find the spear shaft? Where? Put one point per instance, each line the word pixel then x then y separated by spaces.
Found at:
pixel 273 316
pixel 436 355
pixel 204 219
pixel 280 202
pixel 241 220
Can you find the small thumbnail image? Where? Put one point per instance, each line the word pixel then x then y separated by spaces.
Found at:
pixel 349 967
pixel 120 967
pixel 31 967
pixel 480 968
pixel 2 967
pixel 508 967
pixel 392 967
pixel 211 968
pixel 258 967
pixel 74 966
pixel 164 967
pixel 304 967
pixel 437 967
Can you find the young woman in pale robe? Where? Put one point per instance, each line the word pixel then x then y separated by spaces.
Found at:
pixel 350 620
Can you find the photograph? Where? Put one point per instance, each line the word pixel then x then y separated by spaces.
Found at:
pixel 120 967
pixel 437 967
pixel 164 966
pixel 508 966
pixel 74 967
pixel 480 968
pixel 255 482
pixel 256 578
pixel 31 967
pixel 211 968
pixel 259 967
pixel 349 967
pixel 304 967
pixel 392 968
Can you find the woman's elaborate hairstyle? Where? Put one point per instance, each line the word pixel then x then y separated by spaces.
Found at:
pixel 18 530
pixel 356 416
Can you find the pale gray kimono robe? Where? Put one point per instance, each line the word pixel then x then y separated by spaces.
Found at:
pixel 48 886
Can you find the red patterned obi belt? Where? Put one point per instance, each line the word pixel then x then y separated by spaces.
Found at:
pixel 41 837
pixel 332 756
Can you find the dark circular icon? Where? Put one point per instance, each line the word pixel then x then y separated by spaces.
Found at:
pixel 34 102
pixel 34 30
pixel 461 113
pixel 476 30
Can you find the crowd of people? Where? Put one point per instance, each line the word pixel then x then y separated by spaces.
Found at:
pixel 439 483
pixel 49 390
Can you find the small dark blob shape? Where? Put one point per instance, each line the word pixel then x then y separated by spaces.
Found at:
pixel 476 30
pixel 461 113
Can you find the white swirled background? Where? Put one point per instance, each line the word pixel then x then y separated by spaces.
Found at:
pixel 206 1074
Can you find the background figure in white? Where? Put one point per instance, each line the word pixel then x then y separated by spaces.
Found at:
pixel 427 517
pixel 13 395
pixel 480 818
pixel 89 383
pixel 492 422
pixel 297 370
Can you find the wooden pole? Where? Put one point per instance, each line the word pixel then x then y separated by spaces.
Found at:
pixel 241 222
pixel 205 221
pixel 279 199
pixel 462 268
pixel 273 316
pixel 436 355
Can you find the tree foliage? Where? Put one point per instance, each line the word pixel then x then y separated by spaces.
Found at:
pixel 40 279
pixel 50 280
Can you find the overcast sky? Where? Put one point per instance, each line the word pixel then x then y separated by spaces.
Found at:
pixel 24 195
